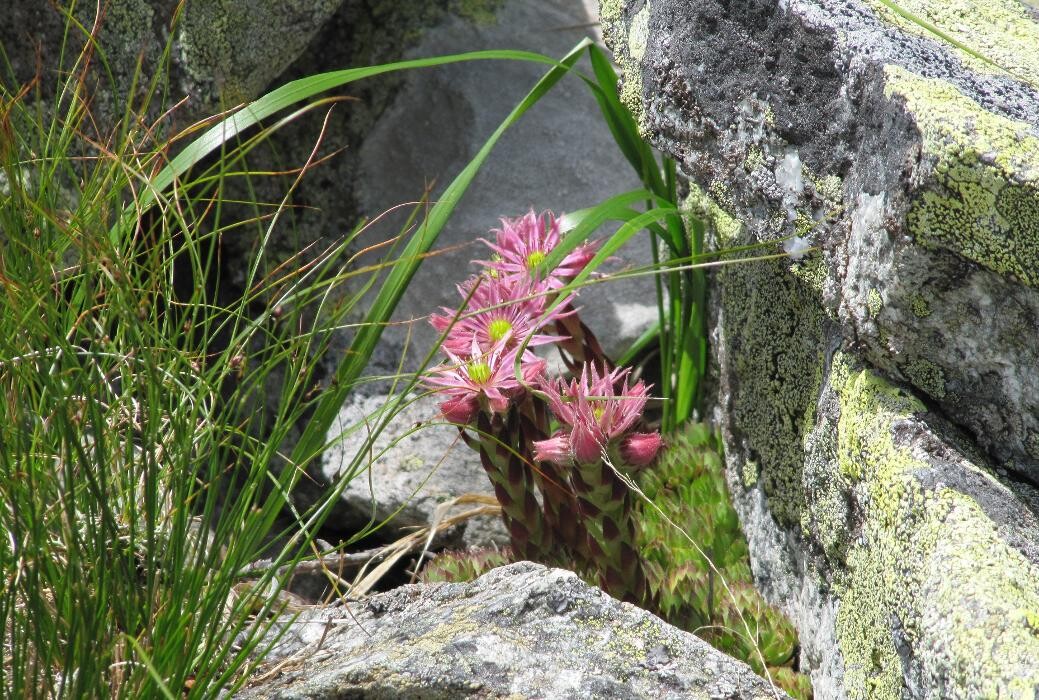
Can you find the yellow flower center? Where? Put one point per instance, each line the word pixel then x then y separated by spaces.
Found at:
pixel 535 259
pixel 479 372
pixel 498 329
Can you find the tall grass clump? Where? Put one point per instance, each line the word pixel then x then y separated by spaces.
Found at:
pixel 150 417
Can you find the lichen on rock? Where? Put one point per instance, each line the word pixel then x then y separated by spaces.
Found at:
pixel 880 399
pixel 930 576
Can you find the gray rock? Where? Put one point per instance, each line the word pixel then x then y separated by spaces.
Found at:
pixel 519 631
pixel 414 464
pixel 878 397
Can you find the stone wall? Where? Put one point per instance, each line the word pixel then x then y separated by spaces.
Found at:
pixel 879 396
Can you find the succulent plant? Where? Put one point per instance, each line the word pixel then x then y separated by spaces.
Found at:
pixel 458 566
pixel 688 485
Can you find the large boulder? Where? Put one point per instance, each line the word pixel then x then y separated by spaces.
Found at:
pixel 878 397
pixel 519 631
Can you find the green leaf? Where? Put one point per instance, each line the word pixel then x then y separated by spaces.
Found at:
pixel 313 439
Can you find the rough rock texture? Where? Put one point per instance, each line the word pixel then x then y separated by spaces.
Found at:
pixel 520 631
pixel 224 51
pixel 879 397
pixel 417 465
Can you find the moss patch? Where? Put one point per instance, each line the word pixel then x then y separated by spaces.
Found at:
pixel 929 573
pixel 985 206
pixel 927 376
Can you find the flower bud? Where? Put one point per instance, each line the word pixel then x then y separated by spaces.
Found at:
pixel 640 449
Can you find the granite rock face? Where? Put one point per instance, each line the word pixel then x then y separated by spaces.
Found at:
pixel 879 395
pixel 519 631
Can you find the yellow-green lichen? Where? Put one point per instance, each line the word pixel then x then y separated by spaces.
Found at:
pixel 831 189
pixel 803 224
pixel 811 271
pixel 874 303
pixel 629 46
pixel 638 34
pixel 919 305
pixel 986 203
pixel 609 10
pixel 700 205
pixel 1000 34
pixel 241 45
pixel 929 567
pixel 755 159
pixel 719 191
pixel 927 376
pixel 750 474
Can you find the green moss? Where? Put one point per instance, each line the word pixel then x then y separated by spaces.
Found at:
pixel 928 376
pixel 874 303
pixel 1032 445
pixel 986 203
pixel 1001 31
pixel 929 559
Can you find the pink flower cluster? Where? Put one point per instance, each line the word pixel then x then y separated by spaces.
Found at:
pixel 597 410
pixel 507 313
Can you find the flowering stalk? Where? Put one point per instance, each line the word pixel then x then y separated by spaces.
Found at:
pixel 584 518
pixel 598 412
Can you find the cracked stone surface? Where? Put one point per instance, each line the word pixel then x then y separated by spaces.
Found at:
pixel 879 395
pixel 519 631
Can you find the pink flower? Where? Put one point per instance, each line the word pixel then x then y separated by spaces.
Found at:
pixel 598 409
pixel 640 449
pixel 504 311
pixel 522 244
pixel 484 380
pixel 554 449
